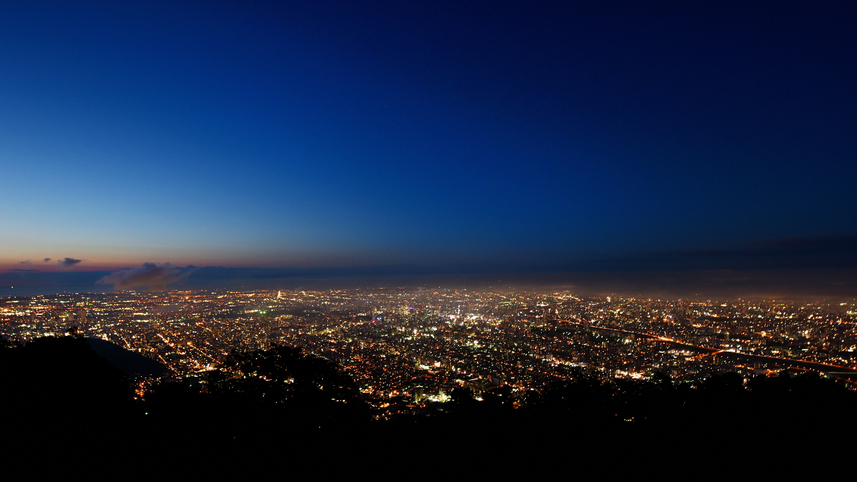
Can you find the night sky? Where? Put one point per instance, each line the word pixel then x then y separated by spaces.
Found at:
pixel 676 147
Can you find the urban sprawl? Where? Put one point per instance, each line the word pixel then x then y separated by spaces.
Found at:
pixel 417 345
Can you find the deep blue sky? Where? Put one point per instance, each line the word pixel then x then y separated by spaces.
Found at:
pixel 453 137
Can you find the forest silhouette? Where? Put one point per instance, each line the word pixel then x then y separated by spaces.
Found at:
pixel 283 404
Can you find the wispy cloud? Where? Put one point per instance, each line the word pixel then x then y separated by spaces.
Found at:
pixel 149 275
pixel 67 262
pixel 47 260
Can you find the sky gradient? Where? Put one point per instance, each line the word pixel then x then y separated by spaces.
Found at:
pixel 402 139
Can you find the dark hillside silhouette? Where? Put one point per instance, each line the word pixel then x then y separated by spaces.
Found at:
pixel 282 406
pixel 63 402
pixel 133 364
pixel 61 379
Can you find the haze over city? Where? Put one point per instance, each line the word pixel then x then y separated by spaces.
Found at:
pixel 684 149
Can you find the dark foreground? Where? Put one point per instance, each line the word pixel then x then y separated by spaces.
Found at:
pixel 67 410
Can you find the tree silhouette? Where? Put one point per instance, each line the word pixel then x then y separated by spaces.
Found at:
pixel 257 396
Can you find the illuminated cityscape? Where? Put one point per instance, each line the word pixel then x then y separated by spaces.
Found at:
pixel 268 234
pixel 407 346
